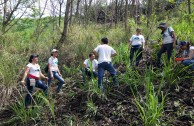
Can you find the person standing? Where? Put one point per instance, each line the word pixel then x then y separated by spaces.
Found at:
pixel 90 66
pixel 33 74
pixel 137 43
pixel 105 52
pixel 168 42
pixel 53 70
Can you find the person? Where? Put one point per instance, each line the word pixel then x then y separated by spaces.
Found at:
pixel 137 43
pixel 168 42
pixel 189 61
pixel 53 70
pixel 105 52
pixel 183 49
pixel 90 66
pixel 33 74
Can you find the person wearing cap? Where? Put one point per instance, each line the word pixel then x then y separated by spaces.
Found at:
pixel 183 49
pixel 33 74
pixel 90 66
pixel 105 52
pixel 168 42
pixel 53 70
pixel 137 43
pixel 189 61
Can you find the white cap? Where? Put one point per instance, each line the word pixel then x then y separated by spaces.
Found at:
pixel 54 50
pixel 191 48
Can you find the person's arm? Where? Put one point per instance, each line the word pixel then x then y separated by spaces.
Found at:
pixel 113 53
pixel 49 68
pixel 42 76
pixel 190 55
pixel 58 71
pixel 25 75
pixel 174 39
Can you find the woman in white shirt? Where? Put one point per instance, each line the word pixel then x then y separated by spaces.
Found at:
pixel 54 72
pixel 33 75
pixel 137 43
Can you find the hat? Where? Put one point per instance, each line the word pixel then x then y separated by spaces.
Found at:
pixel 181 43
pixel 162 25
pixel 54 50
pixel 191 48
pixel 32 57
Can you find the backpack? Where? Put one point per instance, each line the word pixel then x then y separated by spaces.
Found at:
pixel 46 69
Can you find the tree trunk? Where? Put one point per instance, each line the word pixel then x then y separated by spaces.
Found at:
pixel 60 7
pixel 65 27
pixel 189 6
pixel 116 12
pixel 71 13
pixel 126 13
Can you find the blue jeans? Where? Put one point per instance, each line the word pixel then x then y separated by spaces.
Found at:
pixel 137 51
pixel 38 84
pixel 59 78
pixel 101 68
pixel 189 63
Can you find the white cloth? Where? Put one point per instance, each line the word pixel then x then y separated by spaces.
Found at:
pixel 191 48
pixel 34 69
pixel 53 63
pixel 166 37
pixel 104 53
pixel 94 63
pixel 137 40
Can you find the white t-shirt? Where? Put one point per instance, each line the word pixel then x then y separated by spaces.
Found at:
pixel 166 37
pixel 34 69
pixel 94 64
pixel 137 40
pixel 53 63
pixel 104 53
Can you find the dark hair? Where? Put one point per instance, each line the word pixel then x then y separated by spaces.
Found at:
pixel 104 40
pixel 138 30
pixel 32 57
pixel 91 54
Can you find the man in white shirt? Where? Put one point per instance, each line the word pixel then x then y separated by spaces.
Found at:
pixel 105 52
pixel 91 65
pixel 168 41
pixel 137 43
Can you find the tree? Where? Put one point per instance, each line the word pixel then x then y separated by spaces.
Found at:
pixel 65 27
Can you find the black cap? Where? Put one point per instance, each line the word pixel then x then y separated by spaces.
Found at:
pixel 32 57
pixel 162 25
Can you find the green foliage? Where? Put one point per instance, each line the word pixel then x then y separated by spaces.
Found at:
pixel 150 108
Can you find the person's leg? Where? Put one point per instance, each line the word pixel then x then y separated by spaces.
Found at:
pixel 109 67
pixel 29 93
pixel 41 85
pixel 49 79
pixel 187 62
pixel 159 54
pixel 138 56
pixel 132 51
pixel 60 79
pixel 169 50
pixel 100 76
pixel 95 74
